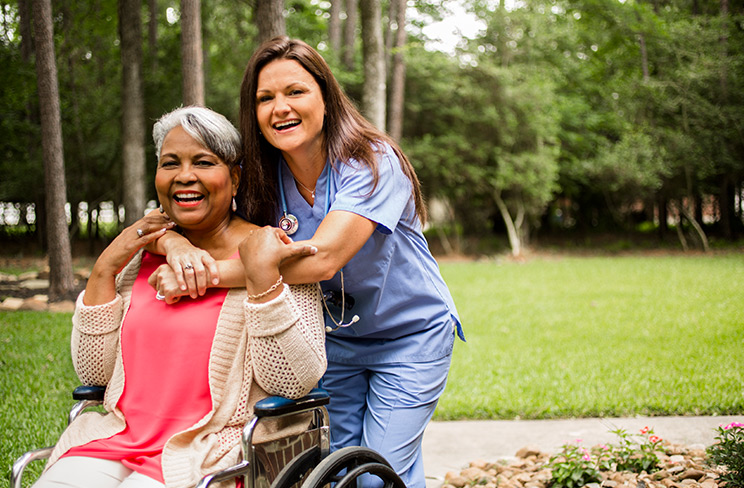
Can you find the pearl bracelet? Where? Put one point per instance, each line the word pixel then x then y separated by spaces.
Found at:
pixel 272 288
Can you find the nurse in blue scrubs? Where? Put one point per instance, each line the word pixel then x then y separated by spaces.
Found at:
pixel 317 169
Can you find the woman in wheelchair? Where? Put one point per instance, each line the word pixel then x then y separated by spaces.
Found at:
pixel 182 377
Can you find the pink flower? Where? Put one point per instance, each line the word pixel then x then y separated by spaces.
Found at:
pixel 654 439
pixel 645 430
pixel 733 425
pixel 585 455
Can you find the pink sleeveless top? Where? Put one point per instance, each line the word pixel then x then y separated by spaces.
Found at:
pixel 165 352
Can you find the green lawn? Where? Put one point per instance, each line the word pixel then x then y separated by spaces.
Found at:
pixel 598 336
pixel 559 337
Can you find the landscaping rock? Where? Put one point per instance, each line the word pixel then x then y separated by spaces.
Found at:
pixel 681 467
pixel 11 304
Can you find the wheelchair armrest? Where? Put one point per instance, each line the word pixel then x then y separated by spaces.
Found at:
pixel 274 406
pixel 94 393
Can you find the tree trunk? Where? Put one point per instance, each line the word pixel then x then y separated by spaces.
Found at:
pixel 192 61
pixel 698 229
pixel 350 34
pixel 270 19
pixel 152 34
pixel 398 76
pixel 373 53
pixel 60 256
pixel 27 43
pixel 644 58
pixel 334 28
pixel 511 229
pixel 133 110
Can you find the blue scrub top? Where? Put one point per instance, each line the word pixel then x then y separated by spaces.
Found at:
pixel 406 313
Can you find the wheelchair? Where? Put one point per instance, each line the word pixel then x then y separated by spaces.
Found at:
pixel 301 460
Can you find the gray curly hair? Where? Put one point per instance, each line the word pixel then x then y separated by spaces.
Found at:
pixel 207 127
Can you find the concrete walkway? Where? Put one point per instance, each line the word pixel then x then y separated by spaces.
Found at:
pixel 451 446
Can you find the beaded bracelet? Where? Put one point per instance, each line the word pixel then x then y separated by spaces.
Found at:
pixel 272 288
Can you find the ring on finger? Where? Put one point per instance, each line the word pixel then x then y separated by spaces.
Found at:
pixel 140 232
pixel 158 296
pixel 188 266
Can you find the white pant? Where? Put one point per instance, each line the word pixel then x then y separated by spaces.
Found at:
pixel 88 472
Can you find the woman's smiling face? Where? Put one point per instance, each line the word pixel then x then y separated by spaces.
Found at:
pixel 194 185
pixel 290 109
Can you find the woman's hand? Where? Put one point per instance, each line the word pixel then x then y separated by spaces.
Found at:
pixel 101 287
pixel 164 281
pixel 263 251
pixel 193 268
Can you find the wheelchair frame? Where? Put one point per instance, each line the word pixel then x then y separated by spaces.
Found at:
pixel 315 467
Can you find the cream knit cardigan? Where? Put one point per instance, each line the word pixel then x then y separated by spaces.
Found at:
pixel 273 348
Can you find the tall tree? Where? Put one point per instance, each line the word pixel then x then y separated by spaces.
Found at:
pixel 269 17
pixel 60 255
pixel 349 33
pixel 398 69
pixel 373 54
pixel 192 60
pixel 152 33
pixel 133 110
pixel 334 27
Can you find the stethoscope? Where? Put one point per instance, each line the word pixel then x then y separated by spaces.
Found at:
pixel 289 224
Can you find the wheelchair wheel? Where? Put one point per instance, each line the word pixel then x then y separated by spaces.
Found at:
pixel 296 470
pixel 343 467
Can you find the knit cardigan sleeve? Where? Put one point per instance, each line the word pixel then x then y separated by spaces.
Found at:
pixel 287 341
pixel 95 331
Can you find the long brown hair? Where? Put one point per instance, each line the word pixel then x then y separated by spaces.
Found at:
pixel 348 135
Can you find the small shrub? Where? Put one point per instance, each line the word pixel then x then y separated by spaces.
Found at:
pixel 636 453
pixel 728 453
pixel 575 466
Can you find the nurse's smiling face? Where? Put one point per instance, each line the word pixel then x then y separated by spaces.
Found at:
pixel 290 111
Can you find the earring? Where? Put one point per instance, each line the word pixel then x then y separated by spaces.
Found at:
pixel 234 205
pixel 161 208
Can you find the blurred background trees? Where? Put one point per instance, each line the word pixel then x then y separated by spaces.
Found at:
pixel 557 119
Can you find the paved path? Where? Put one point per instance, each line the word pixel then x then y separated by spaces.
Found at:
pixel 450 446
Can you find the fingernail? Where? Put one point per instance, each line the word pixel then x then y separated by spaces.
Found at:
pixel 183 288
pixel 215 281
pixel 313 249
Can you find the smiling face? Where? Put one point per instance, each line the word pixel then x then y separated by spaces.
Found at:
pixel 290 111
pixel 193 184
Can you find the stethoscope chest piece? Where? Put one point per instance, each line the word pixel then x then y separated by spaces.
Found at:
pixel 289 224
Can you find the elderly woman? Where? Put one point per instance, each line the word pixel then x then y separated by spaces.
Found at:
pixel 182 378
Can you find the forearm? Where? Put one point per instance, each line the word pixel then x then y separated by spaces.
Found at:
pixel 101 285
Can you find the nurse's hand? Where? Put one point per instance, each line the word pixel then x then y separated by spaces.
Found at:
pixel 262 253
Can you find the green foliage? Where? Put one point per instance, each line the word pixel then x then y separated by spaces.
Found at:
pixel 573 467
pixel 576 466
pixel 728 453
pixel 634 453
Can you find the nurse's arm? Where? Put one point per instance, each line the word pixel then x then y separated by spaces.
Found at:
pixel 339 237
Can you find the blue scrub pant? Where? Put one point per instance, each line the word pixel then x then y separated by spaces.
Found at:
pixel 386 407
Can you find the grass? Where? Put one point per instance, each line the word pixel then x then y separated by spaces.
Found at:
pixel 36 379
pixel 597 336
pixel 558 337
